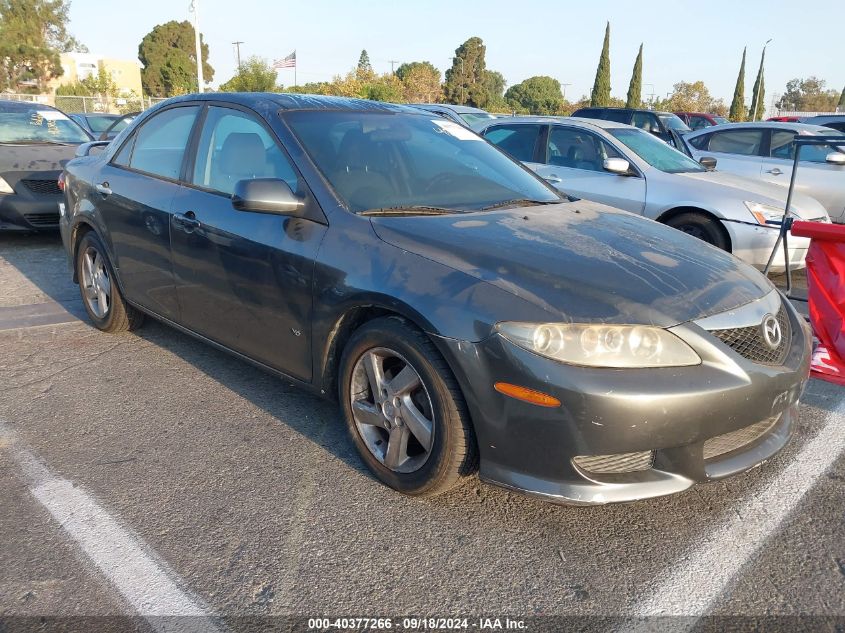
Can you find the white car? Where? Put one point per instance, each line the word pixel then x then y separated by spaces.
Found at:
pixel 766 151
pixel 625 167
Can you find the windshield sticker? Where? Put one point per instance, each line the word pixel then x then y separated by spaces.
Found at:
pixel 458 131
pixel 51 115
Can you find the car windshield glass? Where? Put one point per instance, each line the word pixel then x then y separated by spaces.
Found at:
pixel 39 124
pixel 377 160
pixel 720 119
pixel 673 122
pixel 475 117
pixel 655 152
pixel 100 124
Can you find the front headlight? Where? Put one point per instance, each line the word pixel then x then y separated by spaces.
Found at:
pixel 620 346
pixel 763 212
pixel 4 186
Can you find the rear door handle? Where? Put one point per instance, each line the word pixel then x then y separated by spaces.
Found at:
pixel 188 221
pixel 103 188
pixel 775 172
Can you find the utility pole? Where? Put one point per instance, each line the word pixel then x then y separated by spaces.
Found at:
pixel 650 96
pixel 196 10
pixel 392 62
pixel 237 46
pixel 564 90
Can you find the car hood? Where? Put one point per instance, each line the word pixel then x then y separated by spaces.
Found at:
pixel 746 189
pixel 584 262
pixel 29 158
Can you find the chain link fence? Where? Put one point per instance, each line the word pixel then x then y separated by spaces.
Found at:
pixel 80 104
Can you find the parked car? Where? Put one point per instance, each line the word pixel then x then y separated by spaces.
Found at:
pixel 465 115
pixel 699 120
pixel 100 126
pixel 35 141
pixel 624 167
pixel 766 151
pixel 833 121
pixel 661 124
pixel 457 306
pixel 784 119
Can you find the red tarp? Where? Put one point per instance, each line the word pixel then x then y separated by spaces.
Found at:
pixel 826 286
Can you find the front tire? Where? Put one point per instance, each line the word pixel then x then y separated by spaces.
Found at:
pixel 404 410
pixel 101 296
pixel 704 228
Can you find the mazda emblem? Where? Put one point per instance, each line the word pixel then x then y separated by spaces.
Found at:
pixel 771 331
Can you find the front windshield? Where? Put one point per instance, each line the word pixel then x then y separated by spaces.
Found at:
pixel 474 117
pixel 655 152
pixel 38 124
pixel 377 160
pixel 673 122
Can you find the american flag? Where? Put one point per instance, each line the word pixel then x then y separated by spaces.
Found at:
pixel 287 62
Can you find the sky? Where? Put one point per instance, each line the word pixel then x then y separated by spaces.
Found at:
pixel 683 41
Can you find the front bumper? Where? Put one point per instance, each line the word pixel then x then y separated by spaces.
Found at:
pixel 753 244
pixel 672 412
pixel 30 209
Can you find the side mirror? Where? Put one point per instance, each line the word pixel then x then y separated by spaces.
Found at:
pixel 708 162
pixel 266 195
pixel 835 158
pixel 85 148
pixel 618 166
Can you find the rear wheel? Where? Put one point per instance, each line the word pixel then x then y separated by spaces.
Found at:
pixel 404 409
pixel 702 227
pixel 100 294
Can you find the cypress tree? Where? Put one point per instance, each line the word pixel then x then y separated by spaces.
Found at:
pixel 635 89
pixel 737 111
pixel 601 87
pixel 758 94
pixel 841 106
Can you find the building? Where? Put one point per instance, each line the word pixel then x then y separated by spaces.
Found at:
pixel 126 73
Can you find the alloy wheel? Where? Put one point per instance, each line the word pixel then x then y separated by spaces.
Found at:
pixel 96 283
pixel 392 410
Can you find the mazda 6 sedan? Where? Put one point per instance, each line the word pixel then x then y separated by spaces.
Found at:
pixel 463 312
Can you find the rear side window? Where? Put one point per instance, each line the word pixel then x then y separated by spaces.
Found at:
pixel 519 141
pixel 589 113
pixel 698 122
pixel 159 145
pixel 617 116
pixel 783 147
pixel 742 142
pixel 577 149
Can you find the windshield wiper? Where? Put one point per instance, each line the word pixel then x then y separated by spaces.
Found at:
pixel 520 202
pixel 34 142
pixel 409 210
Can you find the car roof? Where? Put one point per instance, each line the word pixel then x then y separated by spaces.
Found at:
pixel 8 105
pixel 582 121
pixel 831 118
pixel 447 106
pixel 290 101
pixel 766 125
pixel 624 109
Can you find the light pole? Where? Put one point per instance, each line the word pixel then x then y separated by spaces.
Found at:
pixel 651 96
pixel 564 90
pixel 196 11
pixel 757 96
pixel 237 46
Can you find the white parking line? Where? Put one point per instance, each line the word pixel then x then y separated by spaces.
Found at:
pixel 696 582
pixel 144 582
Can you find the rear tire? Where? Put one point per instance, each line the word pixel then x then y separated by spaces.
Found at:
pixel 101 295
pixel 700 226
pixel 413 430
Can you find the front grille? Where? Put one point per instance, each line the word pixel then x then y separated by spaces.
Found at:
pixel 42 219
pixel 728 442
pixel 750 343
pixel 618 463
pixel 42 187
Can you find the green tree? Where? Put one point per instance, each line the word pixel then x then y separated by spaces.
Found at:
pixel 758 93
pixel 495 83
pixel 33 33
pixel 635 88
pixel 808 95
pixel 737 111
pixel 387 87
pixel 168 54
pixel 688 97
pixel 254 75
pixel 364 62
pixel 465 79
pixel 420 82
pixel 600 95
pixel 536 95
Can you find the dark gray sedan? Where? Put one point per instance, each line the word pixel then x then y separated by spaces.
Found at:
pixel 462 312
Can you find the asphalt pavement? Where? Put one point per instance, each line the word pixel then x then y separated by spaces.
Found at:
pixel 148 474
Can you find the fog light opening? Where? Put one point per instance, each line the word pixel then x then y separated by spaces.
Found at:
pixel 527 395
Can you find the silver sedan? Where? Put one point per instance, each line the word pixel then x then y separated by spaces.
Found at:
pixel 624 167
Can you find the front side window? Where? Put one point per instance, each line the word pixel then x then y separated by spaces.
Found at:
pixel 673 122
pixel 645 121
pixel 783 147
pixel 33 124
pixel 742 142
pixel 378 160
pixel 159 144
pixel 235 146
pixel 577 149
pixel 517 140
pixel 655 152
pixel 698 122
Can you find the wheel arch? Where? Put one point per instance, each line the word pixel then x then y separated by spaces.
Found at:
pixel 676 211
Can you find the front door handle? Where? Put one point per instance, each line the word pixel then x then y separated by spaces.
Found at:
pixel 553 179
pixel 188 221
pixel 103 188
pixel 775 172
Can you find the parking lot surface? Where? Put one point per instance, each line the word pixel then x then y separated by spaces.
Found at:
pixel 226 492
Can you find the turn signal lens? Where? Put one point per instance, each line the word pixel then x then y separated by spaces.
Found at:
pixel 527 395
pixel 61 182
pixel 4 186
